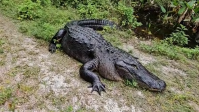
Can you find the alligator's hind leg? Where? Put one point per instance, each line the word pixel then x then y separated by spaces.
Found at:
pixel 56 39
pixel 86 72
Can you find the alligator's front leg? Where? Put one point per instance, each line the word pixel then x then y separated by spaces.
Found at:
pixel 56 39
pixel 86 72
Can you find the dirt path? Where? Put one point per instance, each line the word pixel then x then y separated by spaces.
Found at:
pixel 41 81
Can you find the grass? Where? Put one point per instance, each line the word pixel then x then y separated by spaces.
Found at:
pixel 171 51
pixel 1 43
pixel 5 94
pixel 31 71
pixel 45 27
pixel 28 72
pixel 2 61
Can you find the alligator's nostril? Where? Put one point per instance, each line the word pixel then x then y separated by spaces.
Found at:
pixel 162 84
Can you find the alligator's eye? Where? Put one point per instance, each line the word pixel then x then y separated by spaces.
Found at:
pixel 134 66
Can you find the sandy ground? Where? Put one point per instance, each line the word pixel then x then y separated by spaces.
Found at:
pixel 41 81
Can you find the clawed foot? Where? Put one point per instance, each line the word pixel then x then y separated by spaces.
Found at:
pixel 97 86
pixel 52 48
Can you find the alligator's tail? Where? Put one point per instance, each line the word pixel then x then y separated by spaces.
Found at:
pixel 96 24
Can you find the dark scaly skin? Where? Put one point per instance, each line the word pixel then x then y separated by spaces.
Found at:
pixel 90 48
pixel 96 24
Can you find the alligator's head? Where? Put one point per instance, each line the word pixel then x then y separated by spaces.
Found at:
pixel 133 70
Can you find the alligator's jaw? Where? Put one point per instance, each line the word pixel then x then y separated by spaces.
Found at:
pixel 148 80
pixel 141 75
pixel 159 86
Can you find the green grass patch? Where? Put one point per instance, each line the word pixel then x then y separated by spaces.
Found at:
pixel 158 48
pixel 2 62
pixel 27 89
pixel 47 25
pixel 132 83
pixel 179 103
pixel 153 67
pixel 1 42
pixel 31 71
pixel 5 94
pixel 28 72
pixel 191 53
pixel 69 109
pixel 1 51
pixel 170 51
pixel 1 48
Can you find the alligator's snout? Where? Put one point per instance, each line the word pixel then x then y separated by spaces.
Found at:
pixel 144 78
pixel 158 85
pixel 149 81
pixel 162 85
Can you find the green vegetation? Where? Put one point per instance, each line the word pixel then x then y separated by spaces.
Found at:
pixel 132 83
pixel 1 43
pixel 167 47
pixel 5 94
pixel 178 37
pixel 166 24
pixel 126 13
pixel 171 51
pixel 180 9
pixel 29 10
pixel 69 109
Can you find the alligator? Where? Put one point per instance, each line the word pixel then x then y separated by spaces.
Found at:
pixel 80 40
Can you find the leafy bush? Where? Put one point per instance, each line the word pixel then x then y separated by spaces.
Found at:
pixel 29 10
pixel 76 3
pixel 180 10
pixel 178 37
pixel 60 3
pixel 93 9
pixel 128 19
pixel 43 2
